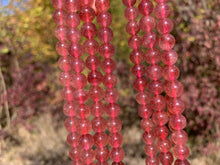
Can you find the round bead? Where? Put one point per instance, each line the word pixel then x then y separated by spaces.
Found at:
pixel 166 158
pixel 129 3
pixel 164 145
pixel 158 103
pixel 78 81
pixel 161 132
pixel 140 84
pixel 77 65
pixel 109 80
pixel 138 70
pixel 72 139
pixel 160 118
pixel 115 140
pixel 87 14
pixel 89 30
pixel 114 125
pixel 59 17
pixel 145 7
pixel 181 162
pixel 65 78
pixel 72 5
pixel 70 124
pixel 97 109
pixel 144 111
pixel 152 56
pixel 174 88
pixel 96 93
pixel 105 35
pixel 58 4
pixel 131 13
pixel 101 139
pixel 152 160
pixel 156 87
pixel 181 151
pixel 113 110
pixel 102 5
pixel 86 2
pixel 106 50
pixel 102 154
pixel 178 122
pixel 87 156
pixel 147 23
pixel 154 72
pixel 143 98
pixel 135 42
pixel 104 19
pixel 171 72
pixel 99 124
pixel 74 153
pixel 132 27
pixel 61 32
pixel 62 48
pixel 150 150
pixel 162 11
pixel 86 141
pixel 64 63
pixel 82 111
pixel 111 95
pixel 117 154
pixel 80 95
pixel 69 109
pixel 137 56
pixel 161 1
pixel 165 26
pixel 93 62
pixel 84 126
pixel 147 125
pixel 166 42
pixel 95 78
pixel 148 138
pixel 91 47
pixel 150 40
pixel 76 50
pixel 179 137
pixel 67 93
pixel 169 57
pixel 175 105
pixel 72 20
pixel 108 65
pixel 73 35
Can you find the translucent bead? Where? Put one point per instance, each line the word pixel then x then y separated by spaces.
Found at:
pixel 65 78
pixel 140 84
pixel 114 125
pixel 72 139
pixel 109 80
pixel 132 27
pixel 118 163
pixel 145 7
pixel 135 42
pixel 150 40
pixel 105 35
pixel 144 111
pixel 175 105
pixel 164 145
pixel 148 138
pixel 93 62
pixel 62 48
pixel 80 95
pixel 78 65
pixel 162 11
pixel 179 137
pixel 61 32
pixel 160 118
pixel 95 78
pixel 106 50
pixel 84 126
pixel 147 125
pixel 117 154
pixel 115 140
pixel 91 47
pixel 150 150
pixel 113 110
pixel 102 154
pixel 138 70
pixel 161 132
pixel 137 56
pixel 152 160
pixel 129 3
pixel 166 42
pixel 58 4
pixel 174 88
pixel 165 26
pixel 72 5
pixel 147 23
pixel 87 14
pixel 156 87
pixel 102 5
pixel 108 65
pixel 64 63
pixel 69 109
pixel 131 13
pixel 181 162
pixel 104 19
pixel 89 30
pixel 86 2
pixel 111 95
pixel 161 1
pixel 143 98
pixel 171 72
pixel 101 163
pixel 72 20
pixel 178 122
pixel 96 93
pixel 154 72
pixel 74 153
pixel 78 81
pixel 67 93
pixel 152 56
pixel 71 124
pixel 82 111
pixel 73 35
pixel 76 50
pixel 97 109
pixel 181 152
pixel 169 57
pixel 158 103
pixel 59 17
pixel 87 156
pixel 86 141
pixel 166 158
pixel 99 124
pixel 101 139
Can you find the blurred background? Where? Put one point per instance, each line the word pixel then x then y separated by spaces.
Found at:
pixel 31 118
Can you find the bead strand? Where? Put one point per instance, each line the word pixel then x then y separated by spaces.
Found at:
pixel 108 65
pixel 173 88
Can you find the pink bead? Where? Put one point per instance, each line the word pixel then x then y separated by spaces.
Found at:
pixel 78 81
pixel 160 118
pixel 181 152
pixel 72 139
pixel 91 47
pixel 69 109
pixel 76 50
pixel 72 20
pixel 117 154
pixel 59 17
pixel 143 98
pixel 181 162
pixel 72 5
pixel 166 158
pixel 109 80
pixel 108 65
pixel 179 137
pixel 152 160
pixel 115 140
pixel 164 145
pixel 129 3
pixel 140 84
pixel 131 13
pixel 147 125
pixel 82 111
pixel 111 95
pixel 138 70
pixel 152 56
pixel 65 78
pixel 161 1
pixel 93 62
pixel 113 110
pixel 87 14
pixel 62 48
pixel 150 40
pixel 135 42
pixel 102 5
pixel 178 122
pixel 95 78
pixel 147 23
pixel 80 95
pixel 58 4
pixel 174 88
pixel 96 93
pixel 89 30
pixel 74 153
pixel 86 2
pixel 148 138
pixel 67 93
pixel 77 65
pixel 97 109
pixel 101 139
pixel 145 7
pixel 161 132
pixel 158 103
pixel 132 27
pixel 99 124
pixel 106 50
pixel 154 72
pixel 171 72
pixel 150 150
pixel 166 42
pixel 61 32
pixel 169 57
pixel 71 124
pixel 73 35
pixel 156 87
pixel 137 56
pixel 104 19
pixel 144 111
pixel 114 125
pixel 105 35
pixel 102 154
pixel 64 63
pixel 175 105
pixel 165 26
pixel 162 11
pixel 86 141
pixel 87 156
pixel 84 126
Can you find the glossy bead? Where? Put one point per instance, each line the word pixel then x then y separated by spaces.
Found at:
pixel 111 95
pixel 101 139
pixel 113 110
pixel 91 47
pixel 140 84
pixel 150 40
pixel 135 42
pixel 179 137
pixel 71 124
pixel 93 62
pixel 145 7
pixel 174 88
pixel 65 78
pixel 150 150
pixel 102 154
pixel 97 109
pixel 138 70
pixel 61 32
pixel 58 4
pixel 99 124
pixel 152 56
pixel 104 19
pixel 166 42
pixel 169 57
pixel 144 111
pixel 143 98
pixel 181 162
pixel 165 26
pixel 102 5
pixel 137 56
pixel 95 78
pixel 80 95
pixel 161 132
pixel 147 125
pixel 72 5
pixel 73 35
pixel 76 50
pixel 84 126
pixel 164 145
pixel 72 20
pixel 89 30
pixel 148 138
pixel 78 81
pixel 82 111
pixel 129 3
pixel 178 122
pixel 115 140
pixel 87 156
pixel 156 87
pixel 86 2
pixel 109 80
pixel 108 65
pixel 77 65
pixel 114 125
pixel 59 17
pixel 87 14
pixel 152 160
pixel 171 72
pixel 166 158
pixel 158 103
pixel 161 1
pixel 64 63
pixel 86 141
pixel 67 93
pixel 162 11
pixel 132 27
pixel 96 93
pixel 154 72
pixel 147 23
pixel 181 152
pixel 69 109
pixel 131 13
pixel 72 139
pixel 160 118
pixel 62 48
pixel 106 50
pixel 105 35
pixel 175 105
pixel 74 153
pixel 117 154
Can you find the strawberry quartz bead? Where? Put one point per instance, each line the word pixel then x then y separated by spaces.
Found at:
pixel 145 7
pixel 76 50
pixel 105 35
pixel 87 14
pixel 160 118
pixel 73 35
pixel 62 48
pixel 117 154
pixel 65 78
pixel 86 141
pixel 95 78
pixel 107 50
pixel 145 111
pixel 87 156
pixel 150 40
pixel 115 140
pixel 58 4
pixel 169 57
pixel 161 132
pixel 101 139
pixel 86 2
pixel 89 30
pixel 166 42
pixel 108 65
pixel 181 151
pixel 69 109
pixel 111 95
pixel 148 138
pixel 140 84
pixel 91 47
pixel 129 3
pixel 64 63
pixel 162 11
pixel 156 87
pixel 93 62
pixel 67 93
pixel 181 162
pixel 131 13
pixel 72 5
pixel 78 65
pixel 113 110
pixel 154 72
pixel 179 137
pixel 70 124
pixel 72 20
pixel 61 32
pixel 166 158
pixel 138 70
pixel 96 93
pixel 175 105
pixel 102 5
pixel 158 103
pixel 59 17
pixel 143 98
pixel 114 125
pixel 80 96
pixel 152 56
pixel 164 145
pixel 74 153
pixel 84 126
pixel 165 26
pixel 97 109
pixel 135 42
pixel 137 56
pixel 161 1
pixel 78 81
pixel 99 124
pixel 147 23
pixel 102 154
pixel 82 111
pixel 72 139
pixel 152 160
pixel 132 27
pixel 147 125
pixel 171 73
pixel 150 150
pixel 104 19
pixel 174 88
pixel 109 80
pixel 177 122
